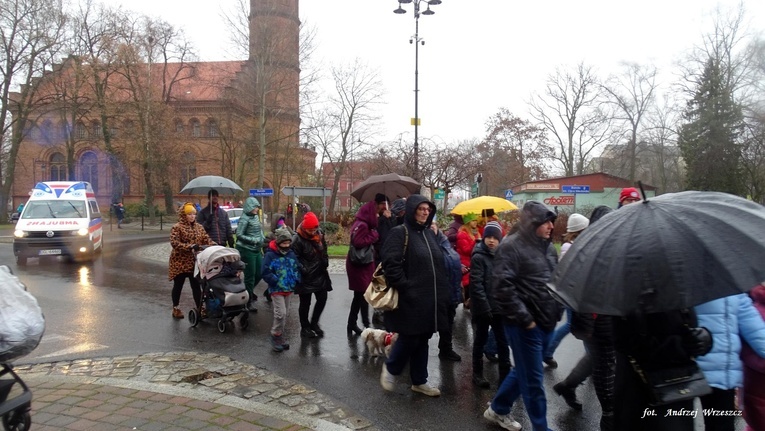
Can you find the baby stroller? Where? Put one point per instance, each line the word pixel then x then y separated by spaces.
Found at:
pixel 223 293
pixel 21 327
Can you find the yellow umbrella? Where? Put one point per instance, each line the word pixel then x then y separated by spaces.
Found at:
pixel 476 205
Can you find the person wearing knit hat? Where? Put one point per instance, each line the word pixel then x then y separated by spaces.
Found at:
pixel 186 237
pixel 628 195
pixel 575 226
pixel 493 229
pixel 311 251
pixel 281 270
pixel 467 236
pixel 484 310
pixel 249 241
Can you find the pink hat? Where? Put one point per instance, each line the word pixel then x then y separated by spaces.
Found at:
pixel 629 193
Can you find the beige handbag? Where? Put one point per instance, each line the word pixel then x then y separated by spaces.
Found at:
pixel 379 295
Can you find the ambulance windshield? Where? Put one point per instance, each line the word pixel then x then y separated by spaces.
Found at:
pixel 54 208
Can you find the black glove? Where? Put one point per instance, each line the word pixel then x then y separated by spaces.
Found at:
pixel 699 342
pixel 195 247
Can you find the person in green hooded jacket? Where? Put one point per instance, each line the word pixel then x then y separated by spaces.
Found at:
pixel 249 242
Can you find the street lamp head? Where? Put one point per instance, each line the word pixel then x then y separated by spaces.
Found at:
pixel 428 11
pixel 400 10
pixel 434 2
pixel 405 1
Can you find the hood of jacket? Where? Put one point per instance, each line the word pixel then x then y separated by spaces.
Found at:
pixel 599 212
pixel 250 204
pixel 533 215
pixel 368 214
pixel 412 202
pixel 182 216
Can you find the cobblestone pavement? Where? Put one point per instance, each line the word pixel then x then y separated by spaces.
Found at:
pixel 175 391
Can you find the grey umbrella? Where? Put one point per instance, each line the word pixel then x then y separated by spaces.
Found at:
pixel 393 186
pixel 202 185
pixel 667 253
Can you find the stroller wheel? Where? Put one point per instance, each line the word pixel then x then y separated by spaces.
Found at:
pixel 17 420
pixel 222 326
pixel 193 317
pixel 244 322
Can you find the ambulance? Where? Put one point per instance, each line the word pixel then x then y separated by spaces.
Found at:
pixel 61 218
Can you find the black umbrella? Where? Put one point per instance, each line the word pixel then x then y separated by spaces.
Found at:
pixel 667 253
pixel 393 186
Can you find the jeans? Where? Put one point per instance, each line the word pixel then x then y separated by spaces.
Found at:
pixel 526 378
pixel 557 336
pixel 445 334
pixel 481 335
pixel 412 349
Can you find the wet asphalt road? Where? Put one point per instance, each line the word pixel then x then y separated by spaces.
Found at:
pixel 120 304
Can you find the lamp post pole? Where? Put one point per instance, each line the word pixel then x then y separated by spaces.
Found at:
pixel 417 41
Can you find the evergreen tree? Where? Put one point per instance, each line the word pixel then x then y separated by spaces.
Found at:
pixel 710 138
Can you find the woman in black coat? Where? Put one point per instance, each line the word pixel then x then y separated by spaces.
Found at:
pixel 414 265
pixel 311 250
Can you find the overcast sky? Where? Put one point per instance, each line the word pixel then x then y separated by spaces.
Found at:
pixel 478 55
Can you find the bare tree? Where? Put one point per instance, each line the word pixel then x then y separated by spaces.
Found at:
pixel 631 94
pixel 349 119
pixel 448 166
pixel 514 151
pixel 570 111
pixel 31 33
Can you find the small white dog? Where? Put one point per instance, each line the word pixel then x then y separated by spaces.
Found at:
pixel 379 342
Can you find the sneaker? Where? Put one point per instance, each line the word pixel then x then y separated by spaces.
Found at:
pixel 203 313
pixel 276 343
pixel 551 363
pixel 387 380
pixel 480 381
pixel 308 333
pixel 177 313
pixel 285 344
pixel 450 355
pixel 569 395
pixel 427 390
pixel 505 421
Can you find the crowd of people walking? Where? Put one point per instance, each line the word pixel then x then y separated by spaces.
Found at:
pixel 500 275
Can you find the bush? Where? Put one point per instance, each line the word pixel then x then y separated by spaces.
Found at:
pixel 329 228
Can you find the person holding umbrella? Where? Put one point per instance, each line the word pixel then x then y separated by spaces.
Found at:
pixel 215 221
pixel 523 265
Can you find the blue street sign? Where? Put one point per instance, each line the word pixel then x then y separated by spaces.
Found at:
pixel 261 192
pixel 575 189
pixel 508 194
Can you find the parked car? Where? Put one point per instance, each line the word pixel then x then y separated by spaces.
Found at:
pixel 233 216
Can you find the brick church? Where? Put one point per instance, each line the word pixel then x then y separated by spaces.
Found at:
pixel 164 123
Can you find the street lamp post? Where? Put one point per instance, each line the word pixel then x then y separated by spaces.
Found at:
pixel 417 41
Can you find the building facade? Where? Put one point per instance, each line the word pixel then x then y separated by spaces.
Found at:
pixel 192 119
pixel 578 193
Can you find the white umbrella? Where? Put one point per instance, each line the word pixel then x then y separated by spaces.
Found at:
pixel 202 185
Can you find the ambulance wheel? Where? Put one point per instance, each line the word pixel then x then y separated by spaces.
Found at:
pixel 193 317
pixel 21 260
pixel 244 322
pixel 221 326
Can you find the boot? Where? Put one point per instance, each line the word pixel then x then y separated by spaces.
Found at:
pixel 317 330
pixel 480 381
pixel 276 343
pixel 353 329
pixel 568 394
pixel 177 313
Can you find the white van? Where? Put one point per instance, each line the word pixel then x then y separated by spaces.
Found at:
pixel 61 218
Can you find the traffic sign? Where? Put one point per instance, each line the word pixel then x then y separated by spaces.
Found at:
pixel 508 194
pixel 439 194
pixel 261 192
pixel 575 189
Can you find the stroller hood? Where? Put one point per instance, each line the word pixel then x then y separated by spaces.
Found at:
pixel 210 260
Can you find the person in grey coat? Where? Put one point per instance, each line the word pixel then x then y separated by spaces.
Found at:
pixel 215 221
pixel 414 266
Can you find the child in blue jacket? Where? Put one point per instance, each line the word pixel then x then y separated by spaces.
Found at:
pixel 281 270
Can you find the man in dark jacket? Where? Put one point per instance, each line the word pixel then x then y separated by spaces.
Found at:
pixel 523 265
pixel 215 221
pixel 414 266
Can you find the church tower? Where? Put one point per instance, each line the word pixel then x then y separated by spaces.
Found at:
pixel 274 55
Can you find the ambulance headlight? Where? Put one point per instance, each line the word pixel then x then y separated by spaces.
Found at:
pixel 82 231
pixel 18 233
